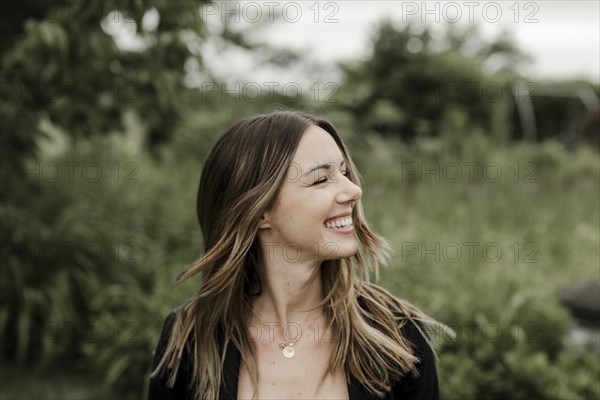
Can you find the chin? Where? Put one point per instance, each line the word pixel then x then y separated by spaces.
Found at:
pixel 337 248
pixel 345 252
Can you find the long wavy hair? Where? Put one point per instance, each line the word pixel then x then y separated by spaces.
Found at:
pixel 240 180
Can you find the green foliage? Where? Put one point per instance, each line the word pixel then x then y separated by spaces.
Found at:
pixel 64 72
pixel 64 76
pixel 105 262
pixel 89 262
pixel 412 86
pixel 43 76
pixel 511 329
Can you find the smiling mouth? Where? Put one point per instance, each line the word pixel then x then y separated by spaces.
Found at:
pixel 340 223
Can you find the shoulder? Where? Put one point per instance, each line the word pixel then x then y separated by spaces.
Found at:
pixel 425 385
pixel 158 388
pixel 410 319
pixel 416 333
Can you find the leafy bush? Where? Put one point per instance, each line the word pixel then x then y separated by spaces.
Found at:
pixel 511 328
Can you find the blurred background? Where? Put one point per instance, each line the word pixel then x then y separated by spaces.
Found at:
pixel 475 126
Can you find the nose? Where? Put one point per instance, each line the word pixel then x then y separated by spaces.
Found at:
pixel 349 191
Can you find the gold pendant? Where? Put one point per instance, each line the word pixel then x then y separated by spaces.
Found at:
pixel 289 351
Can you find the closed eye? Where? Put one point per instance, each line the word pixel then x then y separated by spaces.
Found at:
pixel 323 180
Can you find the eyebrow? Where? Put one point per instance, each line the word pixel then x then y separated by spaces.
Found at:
pixel 322 166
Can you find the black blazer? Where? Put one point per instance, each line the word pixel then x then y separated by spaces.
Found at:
pixel 425 387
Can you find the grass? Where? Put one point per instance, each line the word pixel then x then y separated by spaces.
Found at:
pixel 53 384
pixel 539 221
pixel 539 224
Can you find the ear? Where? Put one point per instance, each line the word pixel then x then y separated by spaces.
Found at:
pixel 264 222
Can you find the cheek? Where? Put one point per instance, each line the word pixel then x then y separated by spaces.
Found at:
pixel 306 211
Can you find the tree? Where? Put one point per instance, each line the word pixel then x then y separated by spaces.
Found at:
pixel 413 85
pixel 64 69
pixel 64 66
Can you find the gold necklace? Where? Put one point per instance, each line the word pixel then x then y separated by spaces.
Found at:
pixel 287 347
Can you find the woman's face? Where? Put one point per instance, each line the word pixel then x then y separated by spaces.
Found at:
pixel 316 196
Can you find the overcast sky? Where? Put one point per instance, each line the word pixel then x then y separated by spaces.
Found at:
pixel 562 37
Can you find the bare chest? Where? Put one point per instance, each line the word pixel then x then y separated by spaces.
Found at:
pixel 293 378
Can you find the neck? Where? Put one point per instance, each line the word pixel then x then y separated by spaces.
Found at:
pixel 291 293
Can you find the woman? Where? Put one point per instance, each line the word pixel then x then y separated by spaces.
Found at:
pixel 284 308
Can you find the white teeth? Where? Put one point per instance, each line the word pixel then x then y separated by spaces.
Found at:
pixel 339 223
